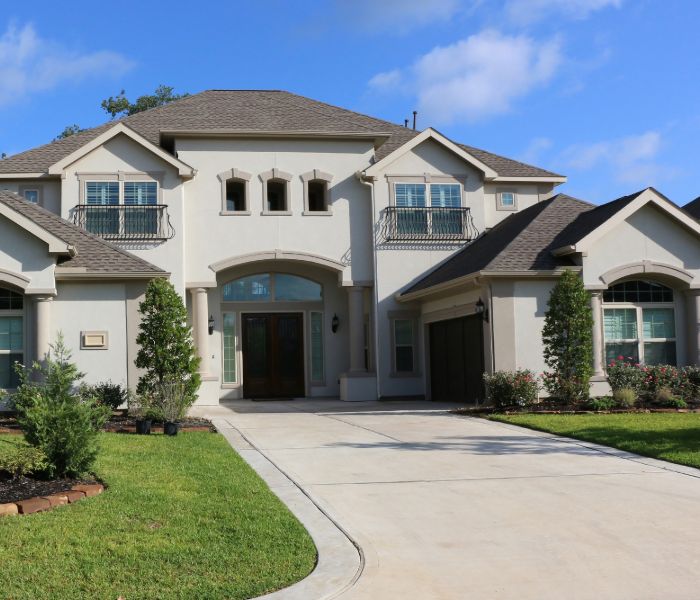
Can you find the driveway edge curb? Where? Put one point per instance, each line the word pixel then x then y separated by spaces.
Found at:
pixel 340 559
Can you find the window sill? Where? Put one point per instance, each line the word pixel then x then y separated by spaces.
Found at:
pixel 317 213
pixel 507 208
pixel 276 213
pixel 234 213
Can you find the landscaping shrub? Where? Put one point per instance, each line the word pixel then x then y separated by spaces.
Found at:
pixel 20 460
pixel 625 374
pixel 602 403
pixel 657 377
pixel 665 397
pixel 566 336
pixel 166 350
pixel 106 393
pixel 511 388
pixel 625 397
pixel 172 400
pixel 55 418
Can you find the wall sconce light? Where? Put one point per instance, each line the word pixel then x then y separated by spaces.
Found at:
pixel 211 324
pixel 482 310
pixel 335 323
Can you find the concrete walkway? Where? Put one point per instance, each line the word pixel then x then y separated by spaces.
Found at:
pixel 458 508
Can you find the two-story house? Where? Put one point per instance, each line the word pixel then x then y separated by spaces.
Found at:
pixel 325 253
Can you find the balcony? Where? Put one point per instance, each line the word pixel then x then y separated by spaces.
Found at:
pixel 411 224
pixel 121 222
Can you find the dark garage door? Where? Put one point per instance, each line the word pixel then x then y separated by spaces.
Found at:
pixel 457 360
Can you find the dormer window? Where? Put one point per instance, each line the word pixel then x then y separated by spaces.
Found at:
pixel 276 196
pixel 235 192
pixel 317 192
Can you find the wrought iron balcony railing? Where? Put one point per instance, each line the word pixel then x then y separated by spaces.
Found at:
pixel 428 224
pixel 125 222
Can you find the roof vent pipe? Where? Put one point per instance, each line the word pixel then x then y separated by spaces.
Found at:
pixel 415 113
pixel 405 123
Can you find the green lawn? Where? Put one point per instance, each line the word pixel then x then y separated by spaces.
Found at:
pixel 183 517
pixel 670 436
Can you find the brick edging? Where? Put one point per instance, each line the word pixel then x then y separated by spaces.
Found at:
pixel 42 503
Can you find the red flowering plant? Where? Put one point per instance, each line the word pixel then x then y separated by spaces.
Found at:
pixel 625 372
pixel 657 377
pixel 508 389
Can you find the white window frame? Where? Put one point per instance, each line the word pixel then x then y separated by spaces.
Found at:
pixel 639 307
pixel 120 177
pixel 24 190
pixel 427 181
pixel 235 348
pixel 322 380
pixel 499 199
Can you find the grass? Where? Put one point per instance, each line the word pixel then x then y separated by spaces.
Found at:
pixel 183 517
pixel 674 437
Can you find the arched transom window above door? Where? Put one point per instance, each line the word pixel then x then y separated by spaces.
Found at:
pixel 639 323
pixel 272 287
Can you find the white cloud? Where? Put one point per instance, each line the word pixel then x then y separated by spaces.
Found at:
pixel 632 159
pixel 401 15
pixel 524 12
pixel 29 64
pixel 477 77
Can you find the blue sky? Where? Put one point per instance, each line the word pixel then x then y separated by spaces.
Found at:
pixel 604 91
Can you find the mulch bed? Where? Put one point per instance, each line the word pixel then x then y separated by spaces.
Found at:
pixel 119 423
pixel 21 488
pixel 564 410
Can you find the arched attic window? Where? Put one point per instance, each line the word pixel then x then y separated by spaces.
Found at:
pixel 639 323
pixel 316 191
pixel 276 196
pixel 235 191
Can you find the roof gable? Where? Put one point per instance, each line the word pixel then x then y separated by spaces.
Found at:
pixel 58 167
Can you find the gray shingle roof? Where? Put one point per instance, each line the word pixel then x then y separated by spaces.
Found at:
pixel 93 254
pixel 250 110
pixel 693 208
pixel 522 242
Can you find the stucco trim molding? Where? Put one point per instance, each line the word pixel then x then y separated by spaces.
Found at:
pixel 56 244
pixel 304 257
pixel 646 267
pixel 15 279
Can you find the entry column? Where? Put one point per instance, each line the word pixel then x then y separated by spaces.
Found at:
pixel 597 340
pixel 356 329
pixel 42 326
pixel 200 326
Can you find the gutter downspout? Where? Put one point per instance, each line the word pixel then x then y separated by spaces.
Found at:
pixel 369 181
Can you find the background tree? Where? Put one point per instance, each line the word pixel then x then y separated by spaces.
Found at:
pixel 567 339
pixel 68 131
pixel 121 106
pixel 166 350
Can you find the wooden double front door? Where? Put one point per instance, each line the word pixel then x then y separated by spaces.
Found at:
pixel 273 355
pixel 457 360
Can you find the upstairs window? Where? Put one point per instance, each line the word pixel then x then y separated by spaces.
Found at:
pixel 276 195
pixel 101 193
pixel 31 195
pixel 428 208
pixel 506 200
pixel 140 193
pixel 316 195
pixel 235 195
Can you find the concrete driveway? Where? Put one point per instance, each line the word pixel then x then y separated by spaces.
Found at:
pixel 445 506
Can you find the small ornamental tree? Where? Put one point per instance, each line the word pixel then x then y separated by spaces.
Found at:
pixel 166 350
pixel 567 333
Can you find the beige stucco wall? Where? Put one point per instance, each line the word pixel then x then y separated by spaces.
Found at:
pixel 22 253
pixel 342 236
pixel 49 190
pixel 123 154
pixel 526 194
pixel 93 307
